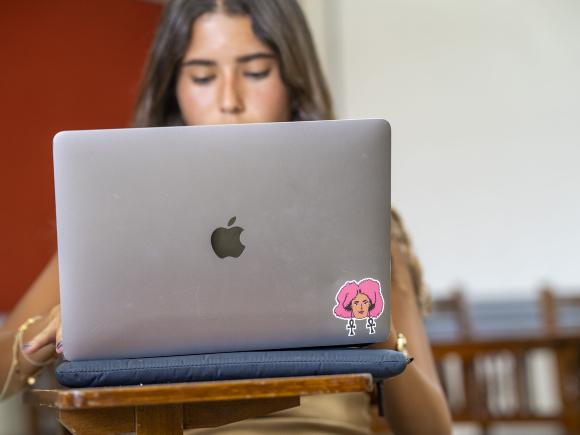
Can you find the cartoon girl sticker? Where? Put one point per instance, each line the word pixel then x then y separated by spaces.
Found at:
pixel 359 300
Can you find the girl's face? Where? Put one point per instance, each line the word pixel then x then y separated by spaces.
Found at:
pixel 228 75
pixel 360 306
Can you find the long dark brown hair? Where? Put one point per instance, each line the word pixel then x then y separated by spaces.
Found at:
pixel 280 24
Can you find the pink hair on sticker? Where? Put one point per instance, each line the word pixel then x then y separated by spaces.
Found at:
pixel 350 289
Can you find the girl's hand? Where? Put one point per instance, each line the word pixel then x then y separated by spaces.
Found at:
pixel 50 334
pixel 391 342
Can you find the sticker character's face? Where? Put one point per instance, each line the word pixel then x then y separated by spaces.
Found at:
pixel 360 306
pixel 359 300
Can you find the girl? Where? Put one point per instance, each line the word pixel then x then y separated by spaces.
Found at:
pixel 238 61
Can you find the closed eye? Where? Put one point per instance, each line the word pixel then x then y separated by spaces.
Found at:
pixel 203 80
pixel 258 75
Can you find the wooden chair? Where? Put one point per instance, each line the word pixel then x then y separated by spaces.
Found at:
pixel 169 409
pixel 494 371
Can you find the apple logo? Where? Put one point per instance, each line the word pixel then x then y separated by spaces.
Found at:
pixel 226 241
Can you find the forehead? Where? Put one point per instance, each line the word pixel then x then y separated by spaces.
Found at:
pixel 222 37
pixel 361 296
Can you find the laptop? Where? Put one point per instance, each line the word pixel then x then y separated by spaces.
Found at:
pixel 206 239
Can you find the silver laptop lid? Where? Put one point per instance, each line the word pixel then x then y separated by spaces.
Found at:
pixel 299 211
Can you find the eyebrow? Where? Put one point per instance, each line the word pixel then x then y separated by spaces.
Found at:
pixel 242 59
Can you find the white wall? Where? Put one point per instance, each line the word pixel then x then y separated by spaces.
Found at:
pixel 484 101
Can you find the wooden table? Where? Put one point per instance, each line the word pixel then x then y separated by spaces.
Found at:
pixel 169 408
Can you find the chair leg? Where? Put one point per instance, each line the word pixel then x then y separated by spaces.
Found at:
pixel 568 359
pixel 485 429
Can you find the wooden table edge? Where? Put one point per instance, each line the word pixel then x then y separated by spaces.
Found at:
pixel 192 392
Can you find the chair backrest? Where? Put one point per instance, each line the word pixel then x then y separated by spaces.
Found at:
pixel 560 313
pixel 454 308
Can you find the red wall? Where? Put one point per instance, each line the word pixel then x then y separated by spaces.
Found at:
pixel 65 64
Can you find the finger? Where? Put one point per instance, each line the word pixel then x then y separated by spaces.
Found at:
pixel 46 336
pixel 59 348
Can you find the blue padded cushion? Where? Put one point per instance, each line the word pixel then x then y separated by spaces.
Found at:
pixel 380 363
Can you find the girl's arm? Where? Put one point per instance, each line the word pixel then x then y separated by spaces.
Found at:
pixel 42 300
pixel 414 401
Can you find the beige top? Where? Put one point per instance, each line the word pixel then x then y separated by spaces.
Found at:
pixel 347 413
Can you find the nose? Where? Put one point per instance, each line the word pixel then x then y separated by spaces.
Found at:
pixel 231 101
